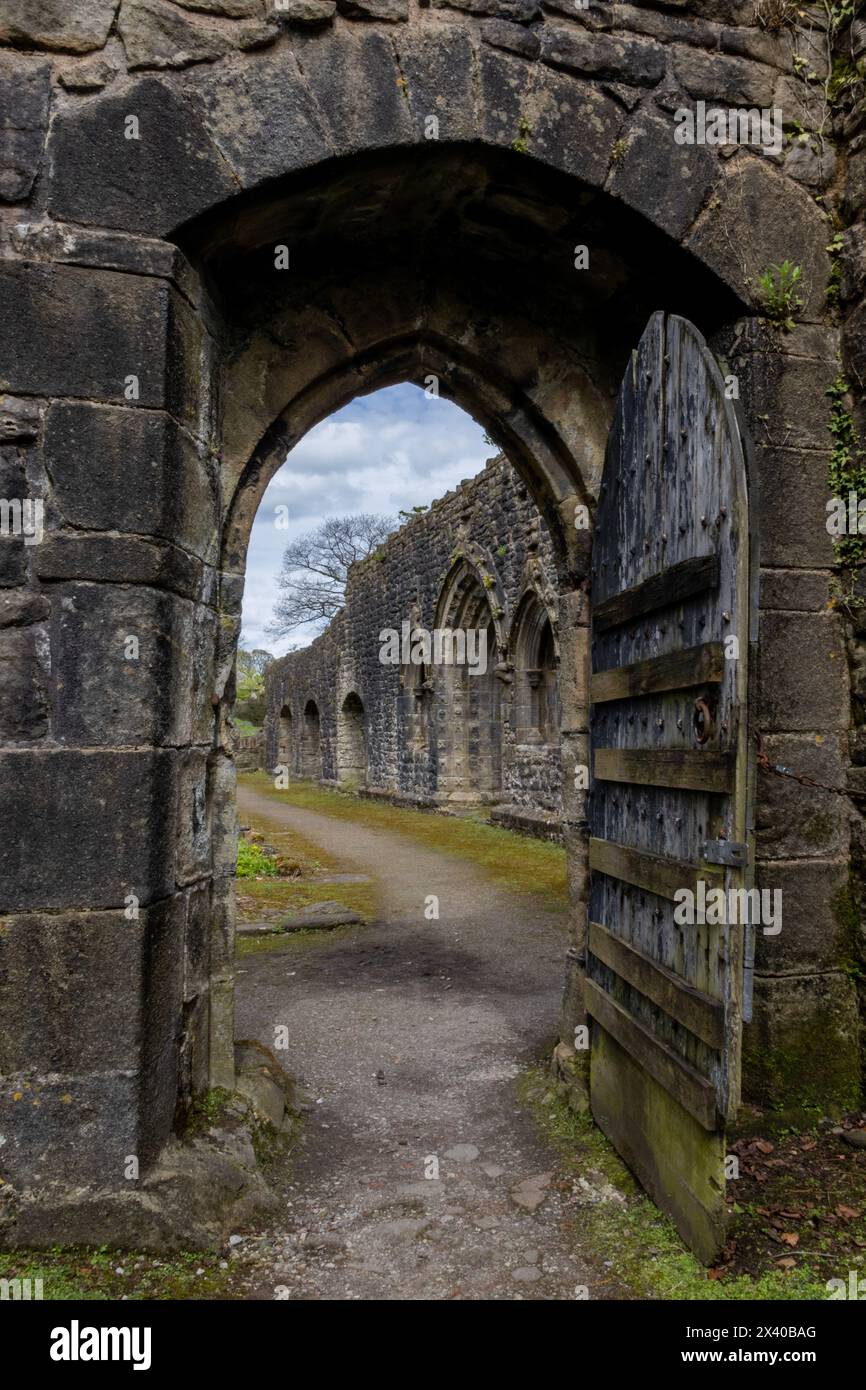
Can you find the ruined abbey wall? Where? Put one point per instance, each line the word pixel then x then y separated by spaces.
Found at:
pixel 480 556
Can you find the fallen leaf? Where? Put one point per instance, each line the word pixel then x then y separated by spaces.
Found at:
pixel 846 1213
pixel 790 1238
pixel 787 1263
pixel 764 1146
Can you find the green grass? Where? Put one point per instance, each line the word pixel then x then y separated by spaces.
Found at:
pixel 524 864
pixel 302 869
pixel 244 727
pixel 88 1273
pixel 646 1253
pixel 253 862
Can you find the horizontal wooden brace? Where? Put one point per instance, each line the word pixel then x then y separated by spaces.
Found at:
pixel 699 1012
pixel 665 767
pixel 672 585
pixel 656 873
pixel 691 666
pixel 693 1092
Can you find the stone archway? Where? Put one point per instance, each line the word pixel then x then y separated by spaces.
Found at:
pixel 351 742
pixel 284 745
pixel 155 247
pixel 467 691
pixel 310 761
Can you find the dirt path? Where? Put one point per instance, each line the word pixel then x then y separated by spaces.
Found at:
pixel 408 1035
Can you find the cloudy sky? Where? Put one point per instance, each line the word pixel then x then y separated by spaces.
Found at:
pixel 397 448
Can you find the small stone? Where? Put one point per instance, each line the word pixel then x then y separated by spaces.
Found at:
pixel 855 1137
pixel 91 75
pixel 530 1193
pixel 526 1274
pixel 309 11
pixel 493 1170
pixel 392 11
pixel 236 1240
pixel 462 1153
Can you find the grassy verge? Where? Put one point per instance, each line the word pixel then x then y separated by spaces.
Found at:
pixel 641 1246
pixel 524 864
pixel 282 872
pixel 82 1273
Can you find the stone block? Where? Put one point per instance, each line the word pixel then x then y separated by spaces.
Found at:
pixel 156 35
pixel 263 93
pixel 730 81
pixel 354 83
pixel 151 184
pixel 574 127
pixel 637 61
pixel 803 590
pixel 755 218
pixel 197 942
pixel 193 820
pixel 802 681
pixel 57 24
pixel 121 666
pixel 85 332
pixel 666 182
pixel 439 68
pixel 801 1051
pixel 130 470
pixel 71 1128
pixel 73 989
pixel 815 912
pixel 23 681
pixel 120 560
pixel 794 490
pixel 18 607
pixel 87 829
pixel 797 821
pixel 25 89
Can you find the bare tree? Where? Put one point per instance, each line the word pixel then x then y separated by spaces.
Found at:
pixel 314 569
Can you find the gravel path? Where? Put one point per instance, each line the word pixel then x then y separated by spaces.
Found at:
pixel 408 1035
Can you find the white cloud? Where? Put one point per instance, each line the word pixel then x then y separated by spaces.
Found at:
pixel 395 449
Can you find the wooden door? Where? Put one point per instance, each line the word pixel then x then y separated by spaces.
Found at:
pixel 668 800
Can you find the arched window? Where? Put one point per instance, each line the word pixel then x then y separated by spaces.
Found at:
pixel 535 709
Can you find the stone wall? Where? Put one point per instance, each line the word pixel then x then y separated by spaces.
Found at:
pixel 432 734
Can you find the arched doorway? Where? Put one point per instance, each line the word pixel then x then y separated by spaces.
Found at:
pixel 467 689
pixel 311 742
pixel 466 248
pixel 284 743
pixel 351 742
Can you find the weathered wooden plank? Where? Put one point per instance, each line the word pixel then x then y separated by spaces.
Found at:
pixel 653 872
pixel 678 1162
pixel 693 1092
pixel 703 1016
pixel 692 770
pixel 700 665
pixel 680 581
